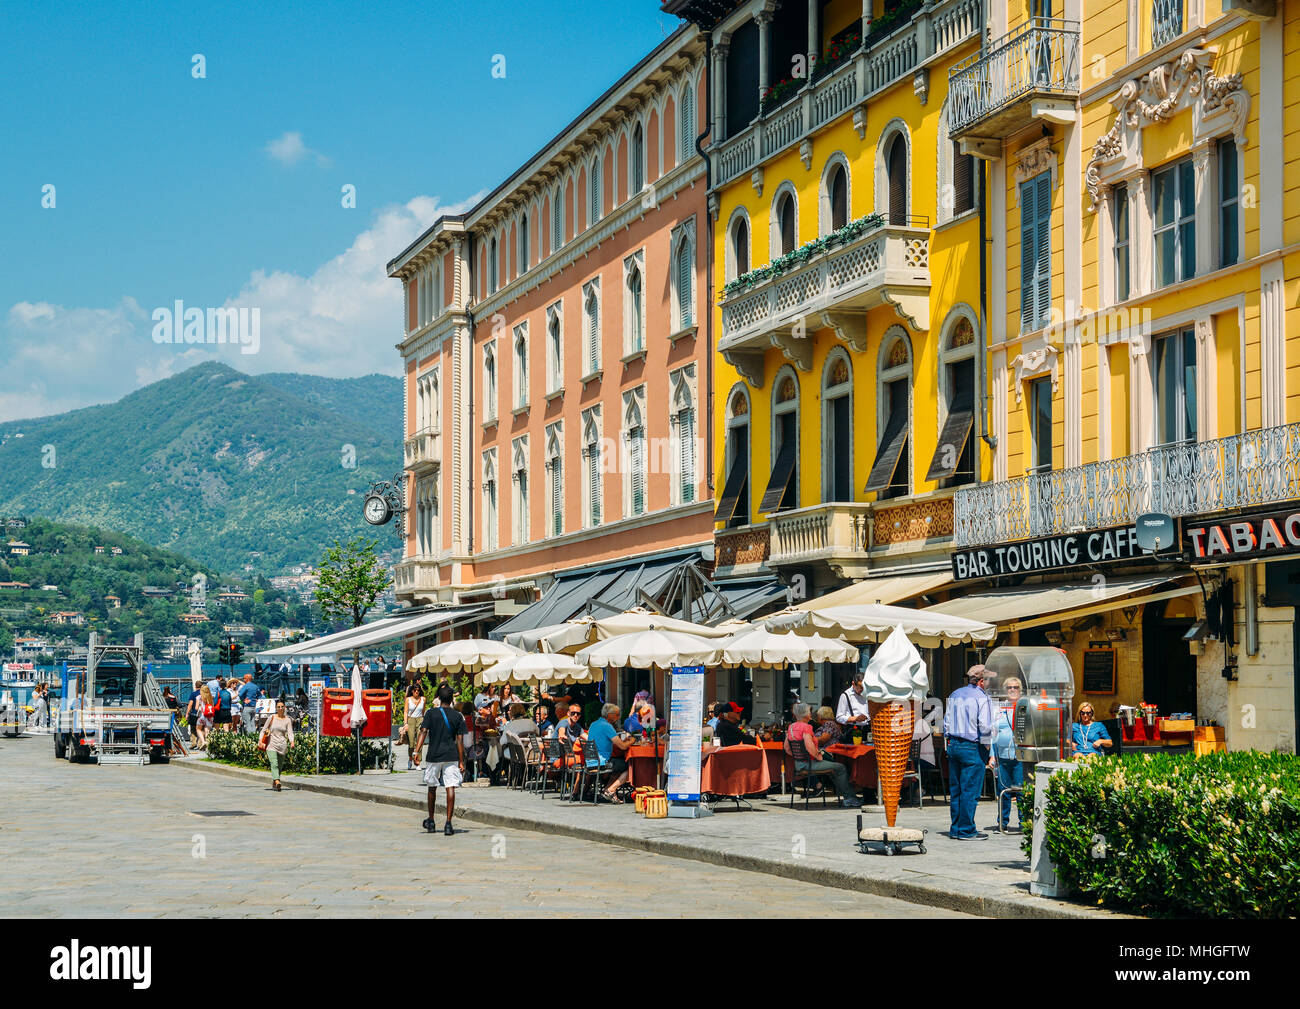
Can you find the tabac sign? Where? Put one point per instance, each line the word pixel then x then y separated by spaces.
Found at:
pixel 1244 537
pixel 1053 553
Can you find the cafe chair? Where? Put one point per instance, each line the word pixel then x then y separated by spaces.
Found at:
pixel 534 761
pixel 593 769
pixel 804 778
pixel 554 765
pixel 913 770
pixel 514 762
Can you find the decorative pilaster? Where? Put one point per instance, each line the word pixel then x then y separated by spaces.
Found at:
pixel 1272 345
pixel 764 20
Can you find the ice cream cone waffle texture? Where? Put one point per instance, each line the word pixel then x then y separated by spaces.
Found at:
pixel 891 734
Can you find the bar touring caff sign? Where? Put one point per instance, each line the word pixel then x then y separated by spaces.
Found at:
pixel 1050 554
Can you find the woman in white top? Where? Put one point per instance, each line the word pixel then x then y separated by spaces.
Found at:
pixel 414 718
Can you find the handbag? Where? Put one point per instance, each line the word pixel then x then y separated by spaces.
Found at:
pixel 209 710
pixel 265 741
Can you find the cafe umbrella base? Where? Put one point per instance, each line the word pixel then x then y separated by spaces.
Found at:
pixel 891 840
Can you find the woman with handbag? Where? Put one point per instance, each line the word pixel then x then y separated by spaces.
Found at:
pixel 207 715
pixel 277 737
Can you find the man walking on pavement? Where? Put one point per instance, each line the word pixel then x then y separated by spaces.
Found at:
pixel 445 760
pixel 249 694
pixel 968 729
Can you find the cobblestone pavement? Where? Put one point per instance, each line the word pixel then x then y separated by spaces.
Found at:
pixel 86 841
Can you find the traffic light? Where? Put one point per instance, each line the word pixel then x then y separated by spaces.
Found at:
pixel 223 653
pixel 236 653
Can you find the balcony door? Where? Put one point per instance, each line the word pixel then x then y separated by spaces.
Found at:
pixel 733 505
pixel 1174 378
pixel 837 427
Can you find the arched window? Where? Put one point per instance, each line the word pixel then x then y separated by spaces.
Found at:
pixel 591 461
pixel 523 242
pixel 634 428
pixel 519 479
pixel 683 423
pixel 837 428
pixel 686 115
pixel 557 218
pixel 490 500
pixel 493 261
pixel 954 454
pixel 434 403
pixel 521 366
pixel 634 313
pixel 555 481
pixel 489 381
pixel 595 187
pixel 784 236
pixel 638 159
pixel 738 247
pixel 783 485
pixel 896 176
pixel 837 197
pixel 554 349
pixel 591 327
pixel 733 506
pixel 891 472
pixel 683 288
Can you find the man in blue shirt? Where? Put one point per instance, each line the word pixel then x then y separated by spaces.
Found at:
pixel 967 730
pixel 194 708
pixel 223 699
pixel 249 694
pixel 1010 772
pixel 1088 737
pixel 603 736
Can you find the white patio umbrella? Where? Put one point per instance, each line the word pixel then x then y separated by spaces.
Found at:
pixel 760 647
pixel 661 649
pixel 874 622
pixel 579 632
pixel 538 667
pixel 196 663
pixel 468 655
pixel 358 709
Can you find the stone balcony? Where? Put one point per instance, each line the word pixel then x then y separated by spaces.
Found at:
pixel 422 452
pixel 885 264
pixel 1030 73
pixel 413 575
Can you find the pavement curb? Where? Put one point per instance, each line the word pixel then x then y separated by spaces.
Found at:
pixel 919 892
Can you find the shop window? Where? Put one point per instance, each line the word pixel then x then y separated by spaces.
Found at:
pixel 1174 223
pixel 1174 364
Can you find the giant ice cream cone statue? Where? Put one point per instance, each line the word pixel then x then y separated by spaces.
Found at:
pixel 895 678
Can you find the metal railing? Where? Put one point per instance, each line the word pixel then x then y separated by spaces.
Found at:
pixel 1190 478
pixel 1041 56
pixel 1166 21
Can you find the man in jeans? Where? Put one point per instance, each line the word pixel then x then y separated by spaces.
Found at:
pixel 968 730
pixel 802 731
pixel 249 694
pixel 445 760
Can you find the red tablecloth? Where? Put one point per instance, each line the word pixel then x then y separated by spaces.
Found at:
pixel 861 761
pixel 735 770
pixel 643 766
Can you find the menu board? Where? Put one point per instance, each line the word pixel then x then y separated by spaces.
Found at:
pixel 1099 671
pixel 685 733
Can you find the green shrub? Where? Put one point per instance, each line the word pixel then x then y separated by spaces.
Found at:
pixel 1210 836
pixel 338 754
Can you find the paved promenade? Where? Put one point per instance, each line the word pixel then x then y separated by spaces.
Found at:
pixel 977 877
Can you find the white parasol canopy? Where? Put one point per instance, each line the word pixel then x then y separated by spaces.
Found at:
pixel 573 634
pixel 539 667
pixel 358 709
pixel 872 622
pixel 760 647
pixel 661 649
pixel 196 662
pixel 467 655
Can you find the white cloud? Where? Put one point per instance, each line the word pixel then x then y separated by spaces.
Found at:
pixel 342 320
pixel 289 149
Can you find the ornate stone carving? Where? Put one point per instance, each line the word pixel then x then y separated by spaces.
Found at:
pixel 756 180
pixel 1033 362
pixel 805 154
pixel 796 349
pixel 921 85
pixel 1035 159
pixel 850 328
pixel 860 121
pixel 749 364
pixel 920 520
pixel 1218 104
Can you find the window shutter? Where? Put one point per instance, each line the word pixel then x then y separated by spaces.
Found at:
pixel 897 169
pixel 963 182
pixel 686 437
pixel 593 481
pixel 684 285
pixel 688 123
pixel 557 235
pixel 593 347
pixel 1043 250
pixel 557 497
pixel 1028 231
pixel 638 471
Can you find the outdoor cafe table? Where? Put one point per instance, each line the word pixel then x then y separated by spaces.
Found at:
pixel 861 761
pixel 728 770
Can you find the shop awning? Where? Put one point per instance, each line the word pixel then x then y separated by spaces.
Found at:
pixel 887 589
pixel 1034 605
pixel 747 596
pixel 329 647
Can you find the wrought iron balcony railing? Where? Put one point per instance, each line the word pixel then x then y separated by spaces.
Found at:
pixel 1191 478
pixel 988 91
pixel 1166 21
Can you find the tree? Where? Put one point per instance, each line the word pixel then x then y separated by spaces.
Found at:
pixel 6 639
pixel 350 580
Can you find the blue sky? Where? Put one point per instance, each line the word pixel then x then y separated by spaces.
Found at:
pixel 225 190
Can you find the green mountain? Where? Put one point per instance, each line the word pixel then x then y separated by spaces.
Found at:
pixel 242 473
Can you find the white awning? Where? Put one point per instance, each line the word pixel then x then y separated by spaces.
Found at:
pixel 329 647
pixel 1030 605
pixel 886 590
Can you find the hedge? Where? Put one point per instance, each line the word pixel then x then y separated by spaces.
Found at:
pixel 338 754
pixel 1210 836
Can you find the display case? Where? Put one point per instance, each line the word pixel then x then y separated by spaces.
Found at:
pixel 1041 708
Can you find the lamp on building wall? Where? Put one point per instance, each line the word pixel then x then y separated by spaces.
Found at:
pixel 1053 637
pixel 1116 634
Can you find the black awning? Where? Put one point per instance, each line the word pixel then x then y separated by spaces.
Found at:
pixel 782 474
pixel 887 455
pixel 952 439
pixel 731 490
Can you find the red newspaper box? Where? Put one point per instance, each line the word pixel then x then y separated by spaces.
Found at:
pixel 378 705
pixel 336 712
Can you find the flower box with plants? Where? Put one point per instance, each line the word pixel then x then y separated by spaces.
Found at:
pixel 836 55
pixel 793 260
pixel 778 94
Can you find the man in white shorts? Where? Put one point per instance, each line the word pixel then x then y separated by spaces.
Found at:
pixel 445 759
